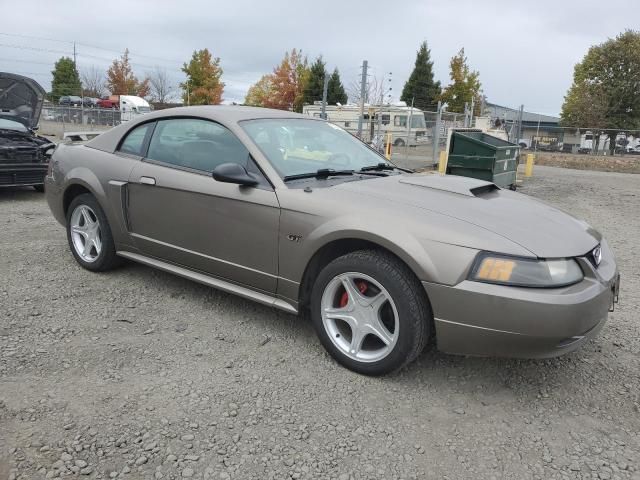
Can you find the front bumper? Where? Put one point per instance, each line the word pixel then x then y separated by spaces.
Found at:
pixel 474 318
pixel 22 174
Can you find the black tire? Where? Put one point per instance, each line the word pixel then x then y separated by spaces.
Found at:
pixel 513 187
pixel 399 142
pixel 415 318
pixel 39 188
pixel 107 258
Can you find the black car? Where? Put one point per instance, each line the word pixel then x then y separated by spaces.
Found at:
pixel 24 156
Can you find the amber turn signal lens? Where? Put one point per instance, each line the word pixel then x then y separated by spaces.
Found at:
pixel 495 269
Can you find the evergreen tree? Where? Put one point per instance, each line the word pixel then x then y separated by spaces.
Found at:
pixel 335 90
pixel 315 83
pixel 66 80
pixel 421 87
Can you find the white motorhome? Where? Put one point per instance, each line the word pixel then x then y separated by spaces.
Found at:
pixel 132 106
pixel 394 119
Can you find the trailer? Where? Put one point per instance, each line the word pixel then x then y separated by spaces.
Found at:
pixel 378 122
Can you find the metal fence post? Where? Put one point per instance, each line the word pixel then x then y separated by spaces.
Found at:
pixel 436 132
pixel 406 145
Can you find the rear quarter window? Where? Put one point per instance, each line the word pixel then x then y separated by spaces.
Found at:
pixel 135 141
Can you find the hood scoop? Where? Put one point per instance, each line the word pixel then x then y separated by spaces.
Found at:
pixel 469 187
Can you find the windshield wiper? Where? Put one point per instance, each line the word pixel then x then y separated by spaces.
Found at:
pixel 379 166
pixel 321 173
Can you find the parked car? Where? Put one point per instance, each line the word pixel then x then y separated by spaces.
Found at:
pixel 24 156
pixel 108 103
pixel 70 101
pixel 89 101
pixel 297 214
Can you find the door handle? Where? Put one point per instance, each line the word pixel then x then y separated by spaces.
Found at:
pixel 148 180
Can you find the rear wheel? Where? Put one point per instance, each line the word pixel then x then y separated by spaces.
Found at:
pixel 399 142
pixel 370 312
pixel 89 234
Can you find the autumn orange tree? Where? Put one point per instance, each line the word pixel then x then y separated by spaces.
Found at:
pixel 259 92
pixel 203 85
pixel 284 88
pixel 122 81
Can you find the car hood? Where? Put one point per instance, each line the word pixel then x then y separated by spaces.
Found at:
pixel 21 99
pixel 545 231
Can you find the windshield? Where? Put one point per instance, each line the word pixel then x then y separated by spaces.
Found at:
pixel 417 121
pixel 299 146
pixel 12 125
pixel 143 109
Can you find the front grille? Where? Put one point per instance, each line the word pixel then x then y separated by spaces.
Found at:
pixel 20 155
pixel 22 178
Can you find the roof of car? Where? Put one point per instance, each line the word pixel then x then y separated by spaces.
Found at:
pixel 225 114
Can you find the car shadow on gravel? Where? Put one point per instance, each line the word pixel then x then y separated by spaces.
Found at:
pixel 483 376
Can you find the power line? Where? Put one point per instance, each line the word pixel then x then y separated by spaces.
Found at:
pixel 35 38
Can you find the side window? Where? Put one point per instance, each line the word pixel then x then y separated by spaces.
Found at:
pixel 400 121
pixel 386 119
pixel 134 141
pixel 197 144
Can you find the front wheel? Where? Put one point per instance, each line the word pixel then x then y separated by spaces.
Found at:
pixel 370 312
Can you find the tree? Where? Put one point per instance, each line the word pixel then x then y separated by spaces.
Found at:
pixel 66 80
pixel 260 91
pixel 159 84
pixel 122 81
pixel 288 82
pixel 421 87
pixel 203 85
pixel 604 92
pixel 315 83
pixel 93 82
pixel 335 89
pixel 464 87
pixel 374 90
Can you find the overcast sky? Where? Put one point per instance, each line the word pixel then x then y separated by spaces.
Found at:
pixel 524 51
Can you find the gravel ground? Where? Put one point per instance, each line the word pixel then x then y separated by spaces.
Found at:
pixel 140 374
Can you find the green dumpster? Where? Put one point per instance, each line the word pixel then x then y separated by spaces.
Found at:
pixel 479 155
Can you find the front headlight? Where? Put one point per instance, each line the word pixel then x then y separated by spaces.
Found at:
pixel 525 272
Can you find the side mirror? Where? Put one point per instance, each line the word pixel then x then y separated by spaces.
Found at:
pixel 233 173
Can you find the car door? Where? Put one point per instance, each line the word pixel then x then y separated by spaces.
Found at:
pixel 178 213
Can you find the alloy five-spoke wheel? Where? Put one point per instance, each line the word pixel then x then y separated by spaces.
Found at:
pixel 85 233
pixel 360 317
pixel 370 312
pixel 89 234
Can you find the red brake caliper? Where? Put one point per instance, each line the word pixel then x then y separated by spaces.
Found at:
pixel 344 299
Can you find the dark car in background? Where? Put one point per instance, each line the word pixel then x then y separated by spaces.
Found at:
pixel 24 156
pixel 70 101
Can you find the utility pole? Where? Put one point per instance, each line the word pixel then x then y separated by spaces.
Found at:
pixel 466 115
pixel 74 56
pixel 519 130
pixel 473 101
pixel 325 88
pixel 363 89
